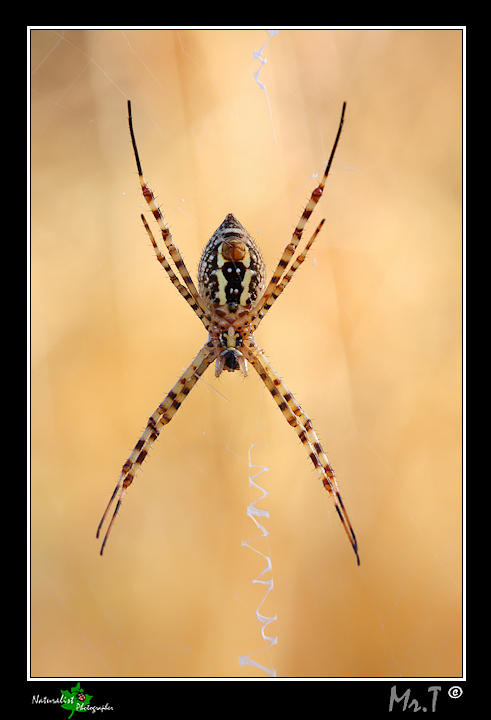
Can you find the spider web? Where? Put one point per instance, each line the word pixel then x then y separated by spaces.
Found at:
pixel 368 337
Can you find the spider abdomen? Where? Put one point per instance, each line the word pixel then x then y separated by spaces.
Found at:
pixel 231 273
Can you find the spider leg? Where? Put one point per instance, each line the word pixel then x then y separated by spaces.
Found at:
pixel 166 233
pixel 190 299
pixel 302 424
pixel 162 415
pixel 288 275
pixel 297 233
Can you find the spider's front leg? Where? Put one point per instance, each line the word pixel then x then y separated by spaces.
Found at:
pixel 162 415
pixel 302 424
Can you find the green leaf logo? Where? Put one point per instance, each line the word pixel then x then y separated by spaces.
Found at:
pixel 75 700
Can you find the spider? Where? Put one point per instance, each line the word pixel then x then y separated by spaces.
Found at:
pixel 231 300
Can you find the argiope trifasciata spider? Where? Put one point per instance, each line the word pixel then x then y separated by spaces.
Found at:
pixel 232 300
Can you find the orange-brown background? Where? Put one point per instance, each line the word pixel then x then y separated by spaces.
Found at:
pixel 368 337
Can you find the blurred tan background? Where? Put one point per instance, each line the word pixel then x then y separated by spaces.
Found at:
pixel 368 337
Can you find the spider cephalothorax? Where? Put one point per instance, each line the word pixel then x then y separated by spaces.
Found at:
pixel 231 301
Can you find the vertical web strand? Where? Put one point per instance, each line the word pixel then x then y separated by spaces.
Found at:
pixel 254 513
